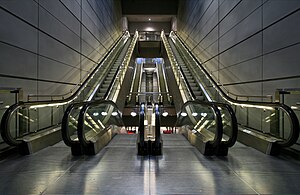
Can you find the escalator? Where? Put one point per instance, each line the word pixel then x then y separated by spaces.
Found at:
pixel 87 126
pixel 149 140
pixel 34 125
pixel 266 126
pixel 210 126
pixel 191 81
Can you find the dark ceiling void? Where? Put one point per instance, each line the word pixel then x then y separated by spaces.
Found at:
pixel 149 7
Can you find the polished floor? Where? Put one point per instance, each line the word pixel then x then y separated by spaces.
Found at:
pixel 118 170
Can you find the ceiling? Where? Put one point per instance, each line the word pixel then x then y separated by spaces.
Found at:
pixel 153 18
pixel 142 10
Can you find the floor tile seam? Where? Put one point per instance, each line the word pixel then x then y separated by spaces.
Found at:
pixel 32 172
pixel 58 178
pixel 270 172
pixel 244 181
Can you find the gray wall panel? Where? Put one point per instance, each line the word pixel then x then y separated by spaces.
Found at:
pixel 13 31
pixel 48 70
pixel 51 44
pixel 282 34
pixel 248 49
pixel 58 30
pixel 28 11
pixel 226 6
pixel 239 13
pixel 17 62
pixel 29 85
pixel 246 71
pixel 276 9
pixel 56 50
pixel 59 11
pixel 74 8
pixel 280 84
pixel 241 31
pixel 282 63
pixel 241 52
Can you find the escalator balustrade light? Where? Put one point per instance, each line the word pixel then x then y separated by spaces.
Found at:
pixel 103 113
pixel 194 114
pixel 194 131
pixel 183 114
pixel 114 113
pixel 133 114
pixel 50 105
pixel 294 107
pixel 246 131
pixel 96 114
pixel 165 114
pixel 204 114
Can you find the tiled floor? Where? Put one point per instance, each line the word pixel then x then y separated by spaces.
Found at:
pixel 118 170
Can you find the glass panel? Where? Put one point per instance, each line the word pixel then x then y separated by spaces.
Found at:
pixel 73 121
pixel 199 118
pixel 99 117
pixel 227 124
pixel 7 99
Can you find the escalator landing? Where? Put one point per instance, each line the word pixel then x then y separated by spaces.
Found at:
pixel 117 169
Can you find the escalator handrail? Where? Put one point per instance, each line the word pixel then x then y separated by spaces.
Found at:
pixel 81 118
pixel 65 123
pixel 4 127
pixel 120 68
pixel 234 125
pixel 294 134
pixel 179 70
pixel 141 125
pixel 65 127
pixel 232 138
pixel 219 131
pixel 157 126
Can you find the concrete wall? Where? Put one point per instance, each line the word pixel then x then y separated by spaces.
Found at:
pixel 250 46
pixel 49 46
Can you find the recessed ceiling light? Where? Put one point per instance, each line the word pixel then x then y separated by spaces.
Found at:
pixel 149 19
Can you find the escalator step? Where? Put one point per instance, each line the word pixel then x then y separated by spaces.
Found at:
pixel 102 90
pixel 198 93
pixel 105 85
pixel 193 84
pixel 191 81
pixel 100 95
pixel 195 88
pixel 200 98
pixel 98 98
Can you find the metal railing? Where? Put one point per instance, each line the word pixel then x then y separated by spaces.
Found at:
pixel 268 109
pixel 73 111
pixel 30 117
